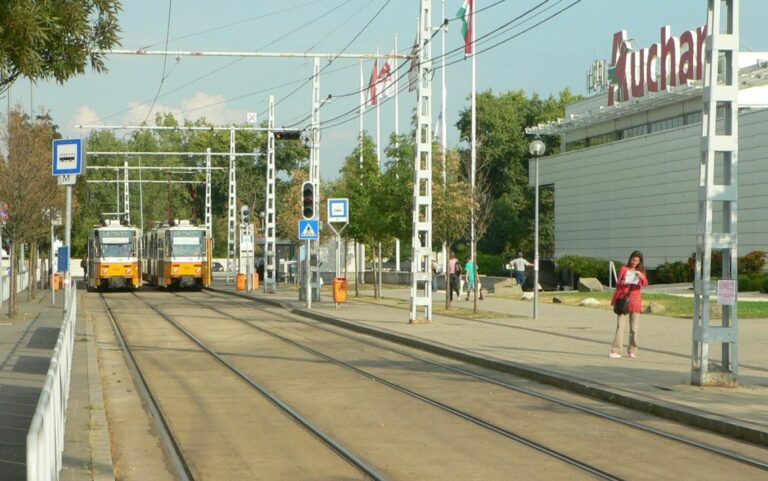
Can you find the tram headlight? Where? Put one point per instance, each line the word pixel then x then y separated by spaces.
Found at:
pixel 104 270
pixel 175 270
pixel 128 270
pixel 198 270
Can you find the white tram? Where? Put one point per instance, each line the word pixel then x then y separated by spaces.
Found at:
pixel 114 256
pixel 177 256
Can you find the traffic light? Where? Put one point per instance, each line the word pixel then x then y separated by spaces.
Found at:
pixel 308 200
pixel 287 134
pixel 245 215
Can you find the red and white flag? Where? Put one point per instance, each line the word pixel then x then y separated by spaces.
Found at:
pixel 387 79
pixel 372 84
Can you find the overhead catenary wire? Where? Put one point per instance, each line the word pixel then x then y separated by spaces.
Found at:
pixel 340 119
pixel 228 64
pixel 165 60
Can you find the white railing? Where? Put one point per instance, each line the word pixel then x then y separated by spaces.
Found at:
pixel 22 281
pixel 612 278
pixel 45 438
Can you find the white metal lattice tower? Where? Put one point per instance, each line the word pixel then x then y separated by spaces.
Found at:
pixel 126 193
pixel 718 196
pixel 232 203
pixel 208 199
pixel 270 238
pixel 313 253
pixel 421 272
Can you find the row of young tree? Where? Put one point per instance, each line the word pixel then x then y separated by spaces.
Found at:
pixel 380 194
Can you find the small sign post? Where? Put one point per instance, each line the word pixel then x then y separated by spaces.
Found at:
pixel 67 161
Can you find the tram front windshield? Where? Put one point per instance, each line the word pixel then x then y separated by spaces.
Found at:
pixel 117 244
pixel 187 243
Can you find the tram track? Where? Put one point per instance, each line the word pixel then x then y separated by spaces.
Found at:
pixel 175 452
pixel 725 453
pixel 596 472
pixel 271 323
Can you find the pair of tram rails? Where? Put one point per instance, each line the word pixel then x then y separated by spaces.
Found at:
pixel 176 255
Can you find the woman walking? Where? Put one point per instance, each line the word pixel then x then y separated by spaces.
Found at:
pixel 632 278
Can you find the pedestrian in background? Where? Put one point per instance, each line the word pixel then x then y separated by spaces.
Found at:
pixel 469 269
pixel 454 271
pixel 518 266
pixel 435 273
pixel 632 278
pixel 473 274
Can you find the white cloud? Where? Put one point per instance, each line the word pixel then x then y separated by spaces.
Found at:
pixel 212 107
pixel 84 115
pixel 137 113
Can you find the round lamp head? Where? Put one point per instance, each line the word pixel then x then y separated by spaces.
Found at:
pixel 537 148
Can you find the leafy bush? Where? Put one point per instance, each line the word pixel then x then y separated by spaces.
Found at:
pixel 585 267
pixel 753 282
pixel 672 273
pixel 491 265
pixel 751 263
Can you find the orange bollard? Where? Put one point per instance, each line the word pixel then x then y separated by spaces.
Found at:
pixel 255 281
pixel 241 282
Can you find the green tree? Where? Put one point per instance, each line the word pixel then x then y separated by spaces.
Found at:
pixel 451 206
pixel 502 149
pixel 27 186
pixel 55 40
pixel 360 182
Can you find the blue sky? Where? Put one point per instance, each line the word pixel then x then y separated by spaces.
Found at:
pixel 545 60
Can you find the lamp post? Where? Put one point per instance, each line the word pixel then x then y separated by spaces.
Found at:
pixel 536 148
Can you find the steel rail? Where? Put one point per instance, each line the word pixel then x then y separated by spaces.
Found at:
pixel 337 447
pixel 172 448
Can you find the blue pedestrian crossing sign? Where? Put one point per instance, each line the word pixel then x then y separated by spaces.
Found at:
pixel 309 229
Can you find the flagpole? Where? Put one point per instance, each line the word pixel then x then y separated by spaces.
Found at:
pixel 473 169
pixel 397 132
pixel 397 95
pixel 362 111
pixel 378 114
pixel 444 98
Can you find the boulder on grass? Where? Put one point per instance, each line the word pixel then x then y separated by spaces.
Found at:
pixel 589 301
pixel 507 288
pixel 655 308
pixel 590 284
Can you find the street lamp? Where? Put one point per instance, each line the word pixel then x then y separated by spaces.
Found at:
pixel 536 148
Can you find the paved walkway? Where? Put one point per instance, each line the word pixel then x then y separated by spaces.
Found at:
pixel 26 347
pixel 568 346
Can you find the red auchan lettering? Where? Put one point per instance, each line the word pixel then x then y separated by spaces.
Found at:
pixel 671 62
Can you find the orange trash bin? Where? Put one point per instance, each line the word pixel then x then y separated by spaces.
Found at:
pixel 340 290
pixel 241 282
pixel 255 281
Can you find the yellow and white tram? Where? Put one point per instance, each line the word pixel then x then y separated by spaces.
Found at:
pixel 114 256
pixel 177 256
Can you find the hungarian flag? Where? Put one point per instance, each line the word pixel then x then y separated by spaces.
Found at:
pixel 372 97
pixel 465 13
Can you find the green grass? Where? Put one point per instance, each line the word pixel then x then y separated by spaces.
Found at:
pixel 675 306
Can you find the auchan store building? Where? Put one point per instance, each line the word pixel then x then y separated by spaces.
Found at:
pixel 628 172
